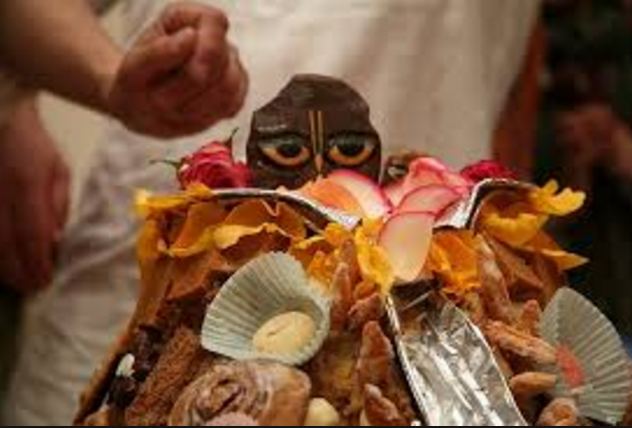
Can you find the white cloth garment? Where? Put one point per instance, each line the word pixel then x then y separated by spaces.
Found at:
pixel 435 72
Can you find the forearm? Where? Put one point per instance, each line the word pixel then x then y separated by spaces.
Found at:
pixel 59 45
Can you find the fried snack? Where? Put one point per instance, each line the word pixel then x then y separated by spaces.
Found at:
pixel 333 372
pixel 269 393
pixel 322 414
pixel 365 311
pixel 552 278
pixel 503 364
pixel 380 411
pixel 179 364
pixel 530 385
pixel 522 282
pixel 526 387
pixel 377 357
pixel 560 412
pixel 520 344
pixel 530 318
pixel 342 289
pixel 494 287
pixel 475 307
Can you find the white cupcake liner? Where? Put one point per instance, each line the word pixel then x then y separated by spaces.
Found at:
pixel 572 321
pixel 268 286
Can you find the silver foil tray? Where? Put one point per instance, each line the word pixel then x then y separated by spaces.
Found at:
pixel 463 215
pixel 450 368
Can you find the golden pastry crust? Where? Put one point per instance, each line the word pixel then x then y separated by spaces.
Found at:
pixel 270 393
pixel 285 334
pixel 522 281
pixel 342 288
pixel 494 289
pixel 530 318
pixel 560 412
pixel 520 344
pixel 531 384
pixel 370 309
pixel 322 414
pixel 377 358
pixel 380 411
pixel 527 387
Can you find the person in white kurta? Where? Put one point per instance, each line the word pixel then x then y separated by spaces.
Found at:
pixel 436 74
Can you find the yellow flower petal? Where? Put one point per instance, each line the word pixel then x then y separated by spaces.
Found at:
pixel 548 201
pixel 307 244
pixel 374 263
pixel 337 234
pixel 515 231
pixel 147 204
pixel 375 267
pixel 453 258
pixel 322 268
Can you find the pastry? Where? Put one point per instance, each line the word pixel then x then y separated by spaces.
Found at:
pixel 322 414
pixel 269 393
pixel 285 334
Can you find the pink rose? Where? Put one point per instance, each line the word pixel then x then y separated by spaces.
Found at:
pixel 487 169
pixel 214 166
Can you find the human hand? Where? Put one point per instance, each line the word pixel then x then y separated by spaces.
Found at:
pixel 34 189
pixel 182 75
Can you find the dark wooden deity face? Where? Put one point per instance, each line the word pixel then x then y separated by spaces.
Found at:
pixel 314 126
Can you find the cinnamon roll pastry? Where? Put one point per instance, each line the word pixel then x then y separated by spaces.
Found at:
pixel 271 394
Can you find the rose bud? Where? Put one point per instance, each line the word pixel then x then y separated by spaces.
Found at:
pixel 487 169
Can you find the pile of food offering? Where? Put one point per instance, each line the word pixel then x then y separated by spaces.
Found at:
pixel 433 297
pixel 270 308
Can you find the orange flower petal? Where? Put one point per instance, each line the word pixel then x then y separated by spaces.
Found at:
pixel 200 217
pixel 148 245
pixel 545 245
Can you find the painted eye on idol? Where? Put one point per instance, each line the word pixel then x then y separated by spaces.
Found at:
pixel 289 151
pixel 351 150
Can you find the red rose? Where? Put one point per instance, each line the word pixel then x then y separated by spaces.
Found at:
pixel 214 166
pixel 487 169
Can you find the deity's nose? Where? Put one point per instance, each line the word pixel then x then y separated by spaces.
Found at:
pixel 320 163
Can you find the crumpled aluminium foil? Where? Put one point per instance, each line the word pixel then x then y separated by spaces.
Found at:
pixel 318 215
pixel 463 214
pixel 449 366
